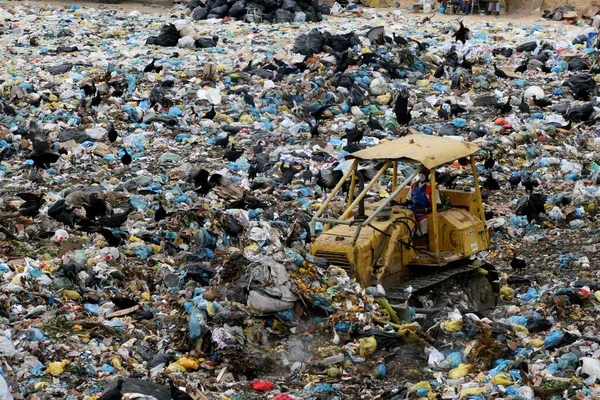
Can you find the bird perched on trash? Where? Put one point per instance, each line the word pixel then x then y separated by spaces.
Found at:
pixel 517 264
pixel 445 179
pixel 211 114
pixel 444 111
pixel 96 206
pixel 200 179
pixel 427 19
pixel 249 100
pixel 112 239
pixel 466 64
pixel 115 221
pixel 307 175
pixel 32 204
pixel 401 110
pixel 247 203
pixel 152 68
pixel 374 124
pixel 222 142
pixel 530 184
pixel 531 206
pixel 64 213
pixel 499 73
pixel 126 157
pixel 491 183
pixel 112 133
pixel 123 302
pixel 317 114
pixel 160 213
pixel 514 180
pixel 522 68
pixel 439 71
pixel 541 103
pixel 354 135
pixel 252 172
pixel 523 106
pixel 506 107
pixel 455 109
pixel 114 393
pixel 258 147
pixel 489 161
pixel 8 110
pixel 96 100
pixel 328 179
pixel 232 155
pixel 41 157
pixel 89 88
pixel 178 394
pixel 462 34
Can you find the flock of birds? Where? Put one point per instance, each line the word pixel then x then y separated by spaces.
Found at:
pixel 264 173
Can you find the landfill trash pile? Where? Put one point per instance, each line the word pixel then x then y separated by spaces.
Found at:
pixel 158 177
pixel 274 11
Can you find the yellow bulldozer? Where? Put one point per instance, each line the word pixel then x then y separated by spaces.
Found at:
pixel 377 242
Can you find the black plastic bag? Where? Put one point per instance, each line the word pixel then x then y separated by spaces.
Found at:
pixel 282 16
pixel 199 13
pixel 289 5
pixel 220 11
pixel 579 64
pixel 342 80
pixel 581 113
pixel 310 44
pixel 581 85
pixel 529 46
pixel 447 130
pixel 272 4
pixel 206 42
pixel 238 9
pixel 168 36
pixel 192 4
pixel 536 325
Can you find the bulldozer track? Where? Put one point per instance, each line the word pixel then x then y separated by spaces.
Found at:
pixel 397 293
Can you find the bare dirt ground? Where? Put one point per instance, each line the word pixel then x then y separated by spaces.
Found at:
pixel 520 13
pixel 147 7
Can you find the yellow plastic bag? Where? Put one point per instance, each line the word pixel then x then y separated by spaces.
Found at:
pixel 57 368
pixel 71 295
pixel 471 392
pixel 536 343
pixel 175 367
pixel 421 385
pixel 368 346
pixel 409 333
pixel 501 379
pixel 521 329
pixel 507 292
pixel 461 371
pixel 452 326
pixel 189 363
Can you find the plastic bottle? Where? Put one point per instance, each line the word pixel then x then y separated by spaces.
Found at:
pixel 335 359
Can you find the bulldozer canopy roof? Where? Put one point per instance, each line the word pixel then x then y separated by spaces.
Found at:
pixel 431 151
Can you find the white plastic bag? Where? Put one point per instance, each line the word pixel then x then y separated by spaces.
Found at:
pixel 435 358
pixel 336 9
pixel 4 392
pixel 590 367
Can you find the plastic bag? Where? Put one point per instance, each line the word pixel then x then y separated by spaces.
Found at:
pixel 435 358
pixel 590 367
pixel 4 392
pixel 368 346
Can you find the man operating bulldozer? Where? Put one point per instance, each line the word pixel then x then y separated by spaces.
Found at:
pixel 419 200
